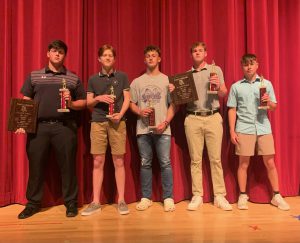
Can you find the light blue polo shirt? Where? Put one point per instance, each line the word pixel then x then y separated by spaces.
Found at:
pixel 244 96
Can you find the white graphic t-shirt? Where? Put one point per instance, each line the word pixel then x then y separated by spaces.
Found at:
pixel 152 91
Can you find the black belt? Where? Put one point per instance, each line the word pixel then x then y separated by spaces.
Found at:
pixel 203 113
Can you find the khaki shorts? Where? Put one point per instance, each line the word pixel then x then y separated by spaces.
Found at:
pixel 248 143
pixel 101 132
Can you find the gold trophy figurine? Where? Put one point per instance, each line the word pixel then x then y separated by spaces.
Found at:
pixel 111 106
pixel 212 88
pixel 63 101
pixel 263 105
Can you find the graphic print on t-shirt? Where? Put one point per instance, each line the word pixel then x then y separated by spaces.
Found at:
pixel 151 95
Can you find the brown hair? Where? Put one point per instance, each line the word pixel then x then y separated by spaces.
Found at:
pixel 104 48
pixel 151 48
pixel 198 43
pixel 58 44
pixel 248 58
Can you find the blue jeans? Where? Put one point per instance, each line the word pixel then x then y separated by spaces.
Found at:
pixel 162 145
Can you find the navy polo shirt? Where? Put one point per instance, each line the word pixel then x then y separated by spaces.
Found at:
pixel 43 87
pixel 100 84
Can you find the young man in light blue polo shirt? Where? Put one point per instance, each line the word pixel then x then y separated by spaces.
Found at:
pixel 250 128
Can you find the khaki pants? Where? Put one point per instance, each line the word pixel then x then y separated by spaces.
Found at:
pixel 208 129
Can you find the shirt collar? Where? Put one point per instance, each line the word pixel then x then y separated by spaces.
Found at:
pixel 195 70
pixel 257 79
pixel 102 74
pixel 62 70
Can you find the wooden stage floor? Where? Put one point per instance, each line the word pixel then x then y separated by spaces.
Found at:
pixel 262 223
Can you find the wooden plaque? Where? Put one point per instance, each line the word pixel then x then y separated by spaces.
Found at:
pixel 22 114
pixel 185 89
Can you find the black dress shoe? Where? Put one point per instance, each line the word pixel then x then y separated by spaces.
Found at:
pixel 72 210
pixel 28 212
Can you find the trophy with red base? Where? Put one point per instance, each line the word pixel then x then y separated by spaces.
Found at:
pixel 263 105
pixel 63 101
pixel 111 106
pixel 212 89
pixel 151 117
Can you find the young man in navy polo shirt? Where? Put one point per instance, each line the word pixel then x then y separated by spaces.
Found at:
pixel 107 91
pixel 54 129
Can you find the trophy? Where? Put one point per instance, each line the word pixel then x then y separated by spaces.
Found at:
pixel 63 101
pixel 111 106
pixel 263 105
pixel 212 89
pixel 151 117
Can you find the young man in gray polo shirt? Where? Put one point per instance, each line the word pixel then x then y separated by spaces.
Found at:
pixel 149 93
pixel 203 124
pixel 250 127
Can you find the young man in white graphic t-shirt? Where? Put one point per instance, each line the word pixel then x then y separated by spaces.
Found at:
pixel 150 100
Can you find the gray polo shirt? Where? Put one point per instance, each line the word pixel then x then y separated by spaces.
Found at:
pixel 205 101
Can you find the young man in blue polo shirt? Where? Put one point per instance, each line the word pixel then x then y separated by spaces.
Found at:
pixel 250 128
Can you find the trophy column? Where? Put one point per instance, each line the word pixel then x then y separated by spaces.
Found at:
pixel 151 118
pixel 263 105
pixel 111 106
pixel 212 89
pixel 63 101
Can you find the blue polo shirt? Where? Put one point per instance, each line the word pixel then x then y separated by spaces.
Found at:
pixel 244 96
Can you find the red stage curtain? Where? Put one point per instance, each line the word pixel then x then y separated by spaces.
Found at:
pixel 269 28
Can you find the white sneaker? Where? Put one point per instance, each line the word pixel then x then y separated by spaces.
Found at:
pixel 169 205
pixel 243 202
pixel 279 202
pixel 144 204
pixel 221 202
pixel 195 203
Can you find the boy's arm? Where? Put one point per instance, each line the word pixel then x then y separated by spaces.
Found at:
pixel 125 103
pixel 76 104
pixel 170 114
pixel 232 120
pixel 92 101
pixel 272 105
pixel 222 90
pixel 136 110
